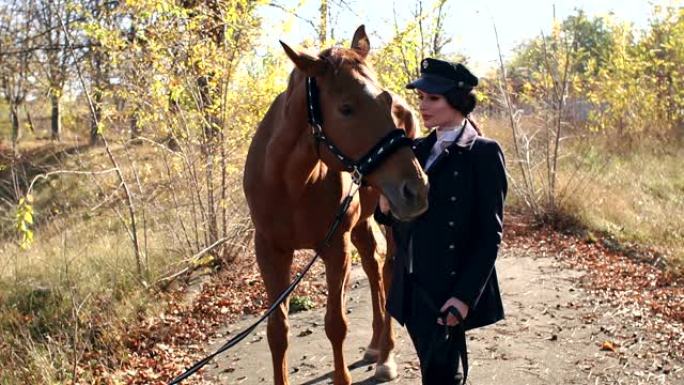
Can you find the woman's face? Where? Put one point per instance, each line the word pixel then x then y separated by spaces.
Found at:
pixel 436 111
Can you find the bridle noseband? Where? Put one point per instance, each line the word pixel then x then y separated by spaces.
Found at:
pixel 373 158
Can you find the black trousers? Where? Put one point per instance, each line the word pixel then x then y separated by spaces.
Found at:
pixel 436 345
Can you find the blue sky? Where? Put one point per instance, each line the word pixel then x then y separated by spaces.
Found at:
pixel 468 23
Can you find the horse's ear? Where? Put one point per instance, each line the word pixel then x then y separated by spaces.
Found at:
pixel 360 42
pixel 386 98
pixel 308 64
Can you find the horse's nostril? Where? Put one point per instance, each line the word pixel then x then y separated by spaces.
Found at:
pixel 408 192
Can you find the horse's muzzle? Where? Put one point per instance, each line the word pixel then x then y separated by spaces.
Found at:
pixel 408 199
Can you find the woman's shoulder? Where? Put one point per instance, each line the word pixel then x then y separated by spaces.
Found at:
pixel 487 152
pixel 487 145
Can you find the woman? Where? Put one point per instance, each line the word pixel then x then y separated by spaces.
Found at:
pixel 444 277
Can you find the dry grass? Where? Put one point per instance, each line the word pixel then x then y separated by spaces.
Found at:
pixel 640 198
pixel 77 286
pixel 635 194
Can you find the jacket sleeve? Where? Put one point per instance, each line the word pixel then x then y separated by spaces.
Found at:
pixel 490 188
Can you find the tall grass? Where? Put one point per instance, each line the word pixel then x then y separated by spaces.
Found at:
pixel 634 193
pixel 74 290
pixel 640 198
pixel 71 293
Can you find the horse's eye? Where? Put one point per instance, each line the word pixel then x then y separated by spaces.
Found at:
pixel 346 110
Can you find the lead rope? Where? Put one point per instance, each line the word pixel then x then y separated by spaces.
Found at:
pixel 344 206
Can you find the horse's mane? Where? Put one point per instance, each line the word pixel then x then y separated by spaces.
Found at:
pixel 338 58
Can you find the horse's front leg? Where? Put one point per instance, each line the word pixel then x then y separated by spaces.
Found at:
pixel 275 266
pixel 382 341
pixel 337 265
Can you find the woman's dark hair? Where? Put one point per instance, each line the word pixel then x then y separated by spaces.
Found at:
pixel 464 101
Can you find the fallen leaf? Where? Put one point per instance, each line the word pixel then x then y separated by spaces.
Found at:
pixel 607 345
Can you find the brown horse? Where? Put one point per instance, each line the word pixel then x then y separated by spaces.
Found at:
pixel 294 186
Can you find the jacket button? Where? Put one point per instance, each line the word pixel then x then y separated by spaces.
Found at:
pixel 455 173
pixel 451 246
pixel 453 199
pixel 452 273
pixel 451 223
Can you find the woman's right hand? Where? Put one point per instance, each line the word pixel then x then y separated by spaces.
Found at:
pixel 384 204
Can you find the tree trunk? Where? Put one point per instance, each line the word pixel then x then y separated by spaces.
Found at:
pixel 14 118
pixel 56 118
pixel 211 136
pixel 95 119
pixel 29 120
pixel 323 27
pixel 135 126
pixel 211 122
pixel 211 204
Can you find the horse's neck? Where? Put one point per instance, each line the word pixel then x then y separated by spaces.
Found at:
pixel 292 157
pixel 304 168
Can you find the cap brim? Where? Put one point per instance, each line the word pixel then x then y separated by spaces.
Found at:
pixel 432 84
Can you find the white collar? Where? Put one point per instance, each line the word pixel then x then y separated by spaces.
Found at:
pixel 449 134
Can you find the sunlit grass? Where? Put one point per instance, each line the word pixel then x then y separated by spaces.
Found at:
pixel 82 266
pixel 640 198
pixel 633 192
pixel 81 270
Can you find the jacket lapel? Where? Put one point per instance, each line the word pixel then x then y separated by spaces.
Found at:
pixel 464 143
pixel 424 146
pixel 440 158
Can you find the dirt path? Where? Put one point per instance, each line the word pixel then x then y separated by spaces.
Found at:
pixel 555 332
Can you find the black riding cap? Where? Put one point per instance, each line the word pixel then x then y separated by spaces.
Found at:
pixel 439 76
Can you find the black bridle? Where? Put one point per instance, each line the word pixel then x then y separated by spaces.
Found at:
pixel 387 145
pixel 373 158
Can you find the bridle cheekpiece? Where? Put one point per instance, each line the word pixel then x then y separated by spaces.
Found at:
pixel 373 158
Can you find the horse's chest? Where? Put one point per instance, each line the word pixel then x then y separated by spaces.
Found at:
pixel 308 218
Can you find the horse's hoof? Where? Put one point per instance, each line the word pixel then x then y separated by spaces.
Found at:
pixel 371 355
pixel 387 371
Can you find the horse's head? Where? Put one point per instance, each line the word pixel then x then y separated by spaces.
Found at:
pixel 357 114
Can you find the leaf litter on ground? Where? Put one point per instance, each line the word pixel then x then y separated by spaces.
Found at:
pixel 162 347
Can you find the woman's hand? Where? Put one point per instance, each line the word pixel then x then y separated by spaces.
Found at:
pixel 451 319
pixel 384 204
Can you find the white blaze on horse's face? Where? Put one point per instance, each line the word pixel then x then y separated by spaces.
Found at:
pixel 357 114
pixel 372 90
